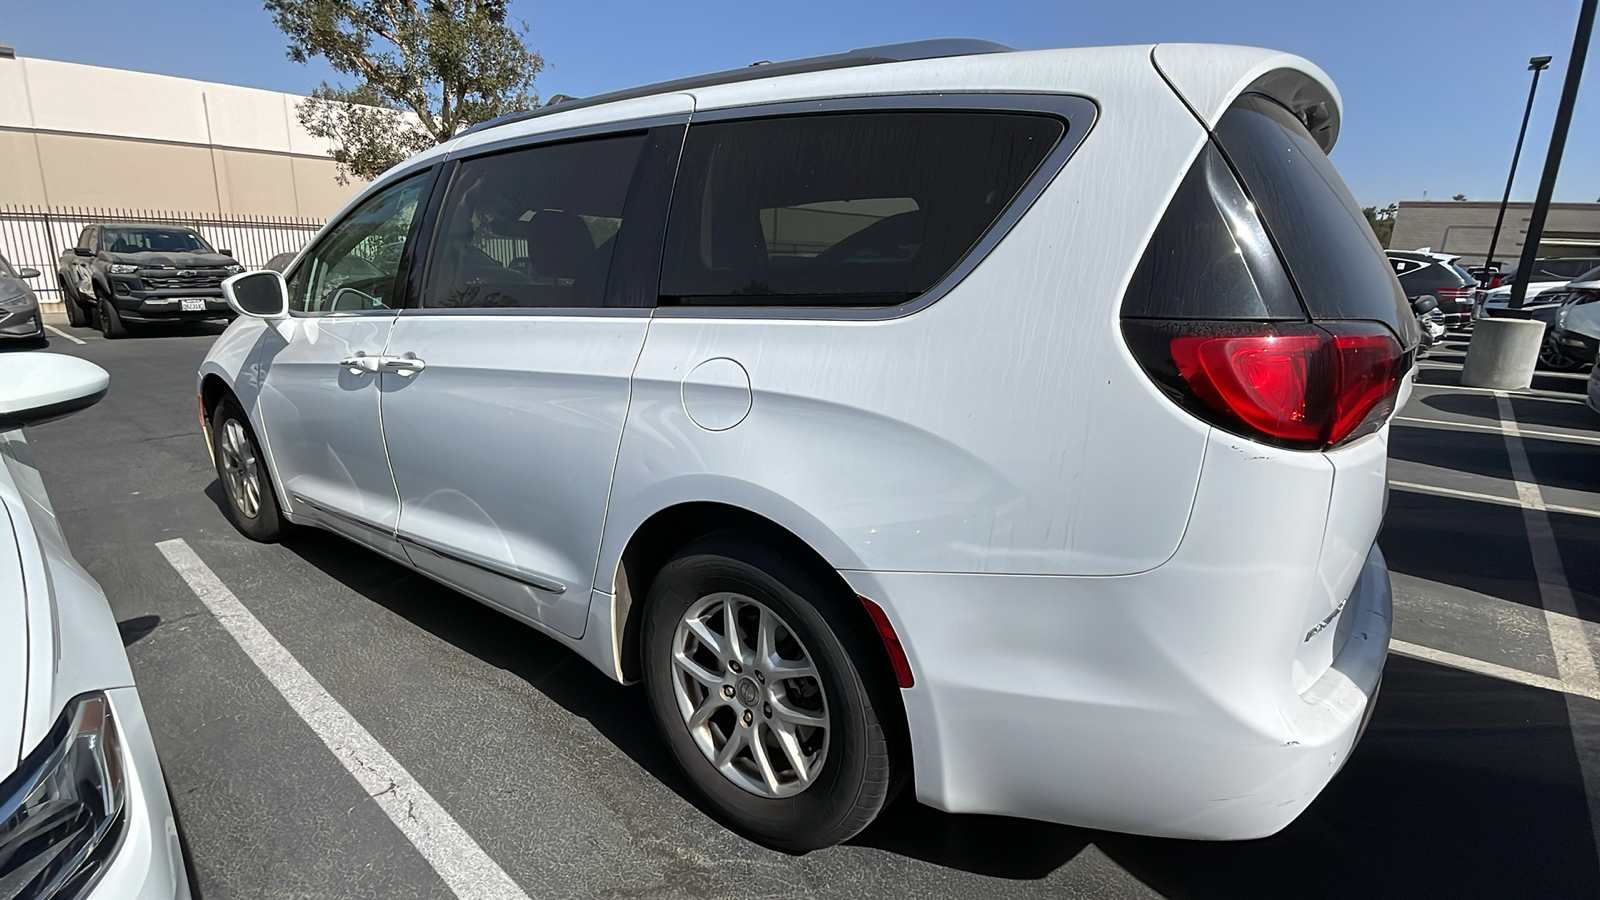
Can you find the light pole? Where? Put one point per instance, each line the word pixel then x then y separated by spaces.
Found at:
pixel 1505 348
pixel 1537 64
pixel 1552 162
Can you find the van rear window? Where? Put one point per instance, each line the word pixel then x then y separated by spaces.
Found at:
pixel 1331 252
pixel 848 209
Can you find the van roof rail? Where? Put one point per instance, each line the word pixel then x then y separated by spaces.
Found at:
pixel 937 48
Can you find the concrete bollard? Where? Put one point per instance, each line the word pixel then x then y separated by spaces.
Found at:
pixel 1503 354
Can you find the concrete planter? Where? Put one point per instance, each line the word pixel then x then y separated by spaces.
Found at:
pixel 1503 354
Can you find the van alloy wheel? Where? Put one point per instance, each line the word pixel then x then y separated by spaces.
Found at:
pixel 750 695
pixel 240 469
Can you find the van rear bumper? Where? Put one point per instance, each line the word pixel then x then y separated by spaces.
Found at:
pixel 1100 702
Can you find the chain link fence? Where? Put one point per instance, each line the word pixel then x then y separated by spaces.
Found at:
pixel 36 236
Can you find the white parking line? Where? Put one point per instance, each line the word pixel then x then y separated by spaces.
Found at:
pixel 1553 435
pixel 1487 498
pixel 1574 660
pixel 59 333
pixel 1529 395
pixel 1493 670
pixel 466 869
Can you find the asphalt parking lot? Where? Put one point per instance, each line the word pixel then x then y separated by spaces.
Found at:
pixel 1479 775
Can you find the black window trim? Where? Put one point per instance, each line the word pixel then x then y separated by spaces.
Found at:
pixel 1078 112
pixel 664 136
pixel 402 274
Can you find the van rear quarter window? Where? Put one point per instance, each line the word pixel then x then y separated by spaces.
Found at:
pixel 846 209
pixel 1331 252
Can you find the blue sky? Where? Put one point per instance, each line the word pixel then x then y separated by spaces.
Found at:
pixel 1433 89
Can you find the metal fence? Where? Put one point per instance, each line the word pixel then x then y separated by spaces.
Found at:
pixel 36 236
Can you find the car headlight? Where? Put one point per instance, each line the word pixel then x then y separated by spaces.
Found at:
pixel 121 269
pixel 17 301
pixel 236 269
pixel 61 812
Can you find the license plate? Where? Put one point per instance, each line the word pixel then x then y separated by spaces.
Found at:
pixel 197 304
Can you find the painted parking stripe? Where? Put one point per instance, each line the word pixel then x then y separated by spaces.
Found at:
pixel 1574 659
pixel 1487 498
pixel 1547 396
pixel 1473 426
pixel 59 333
pixel 1493 670
pixel 460 862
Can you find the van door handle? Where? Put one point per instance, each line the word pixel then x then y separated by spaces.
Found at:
pixel 404 366
pixel 361 363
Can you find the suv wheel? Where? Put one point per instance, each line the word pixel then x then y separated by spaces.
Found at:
pixel 77 316
pixel 758 698
pixel 247 488
pixel 110 323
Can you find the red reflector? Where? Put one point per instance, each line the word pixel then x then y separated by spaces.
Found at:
pixel 1303 386
pixel 891 642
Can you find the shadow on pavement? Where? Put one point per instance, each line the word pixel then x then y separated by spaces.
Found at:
pixel 1476 452
pixel 1474 545
pixel 1531 412
pixel 1464 786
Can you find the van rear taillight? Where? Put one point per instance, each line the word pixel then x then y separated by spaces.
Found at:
pixel 1294 385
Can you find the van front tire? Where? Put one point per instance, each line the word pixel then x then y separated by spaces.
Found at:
pixel 247 492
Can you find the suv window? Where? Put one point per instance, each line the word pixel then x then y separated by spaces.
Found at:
pixel 1431 278
pixel 354 266
pixel 844 209
pixel 86 238
pixel 533 227
pixel 1335 260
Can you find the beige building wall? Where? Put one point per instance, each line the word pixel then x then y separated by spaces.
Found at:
pixel 74 135
pixel 1464 227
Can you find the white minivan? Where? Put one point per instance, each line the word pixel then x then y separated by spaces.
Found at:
pixel 1012 425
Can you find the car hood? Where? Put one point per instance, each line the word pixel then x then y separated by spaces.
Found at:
pixel 175 260
pixel 13 287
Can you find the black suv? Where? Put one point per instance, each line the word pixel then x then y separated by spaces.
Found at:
pixel 134 273
pixel 1425 274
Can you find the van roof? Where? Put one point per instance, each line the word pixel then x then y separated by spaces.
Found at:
pixel 939 48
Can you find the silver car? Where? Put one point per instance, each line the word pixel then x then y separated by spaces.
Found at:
pixel 19 307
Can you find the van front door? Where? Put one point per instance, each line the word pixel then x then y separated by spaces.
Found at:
pixel 320 368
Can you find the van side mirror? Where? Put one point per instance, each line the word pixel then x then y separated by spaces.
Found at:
pixel 226 252
pixel 262 294
pixel 82 251
pixel 41 387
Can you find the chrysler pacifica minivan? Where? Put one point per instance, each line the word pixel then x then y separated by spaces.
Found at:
pixel 1007 425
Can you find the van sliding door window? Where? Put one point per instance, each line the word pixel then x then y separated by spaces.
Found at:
pixel 849 209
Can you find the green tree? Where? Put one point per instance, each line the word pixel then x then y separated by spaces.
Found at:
pixel 425 70
pixel 1459 197
pixel 1381 220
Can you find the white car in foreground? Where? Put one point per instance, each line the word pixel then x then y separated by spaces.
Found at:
pixel 83 807
pixel 932 408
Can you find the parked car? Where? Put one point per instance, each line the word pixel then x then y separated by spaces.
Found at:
pixel 1426 274
pixel 1558 269
pixel 956 415
pixel 1592 392
pixel 129 273
pixel 84 810
pixel 1576 330
pixel 20 318
pixel 1500 297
